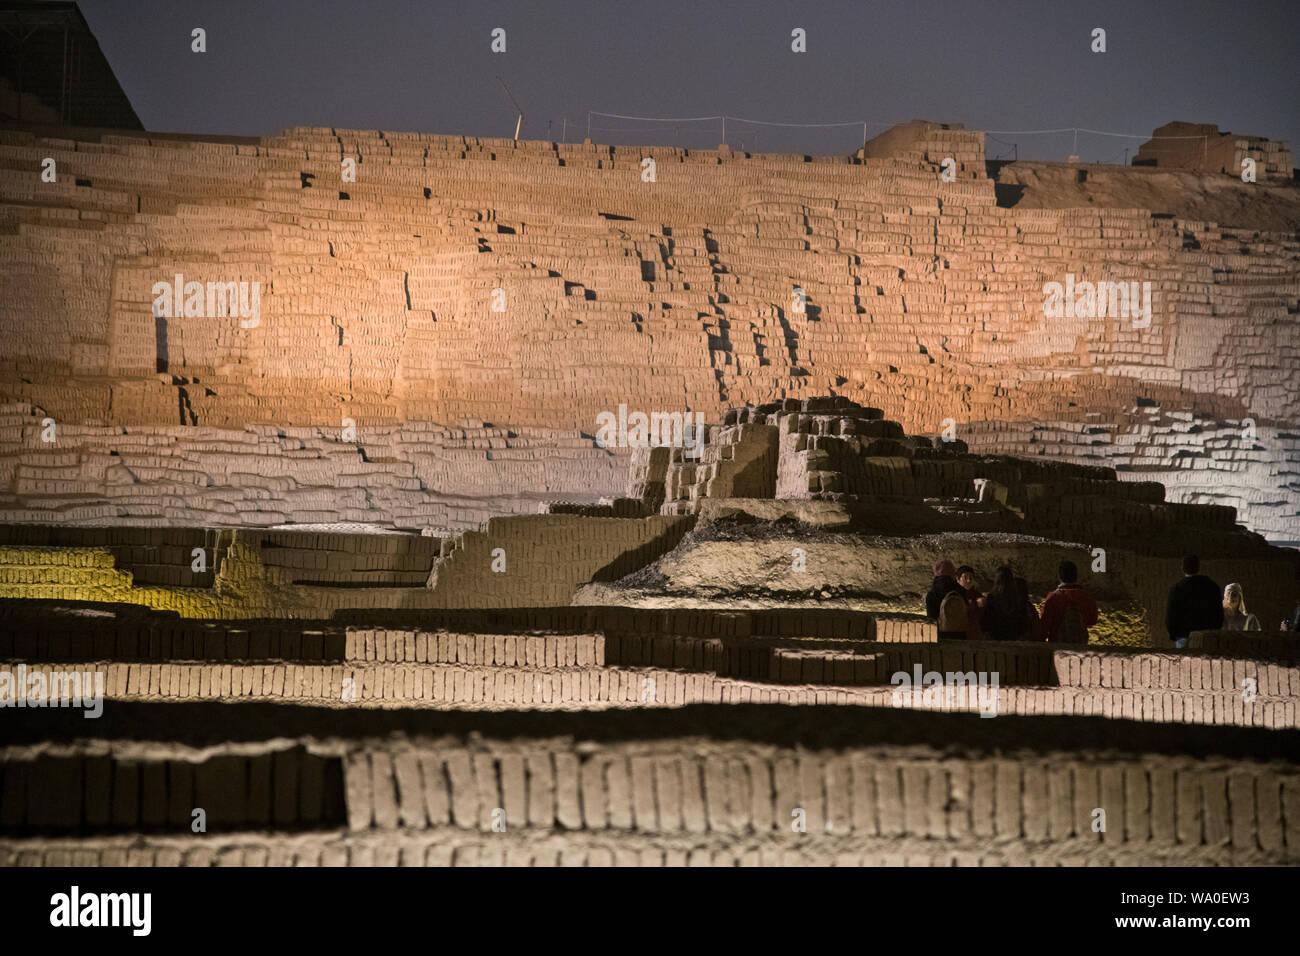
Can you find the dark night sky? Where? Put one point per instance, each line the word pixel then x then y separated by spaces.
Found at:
pixel 427 67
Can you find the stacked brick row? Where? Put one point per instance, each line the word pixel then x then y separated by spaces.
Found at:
pixel 412 668
pixel 289 789
pixel 541 560
pixel 729 801
pixel 413 477
pixel 1248 465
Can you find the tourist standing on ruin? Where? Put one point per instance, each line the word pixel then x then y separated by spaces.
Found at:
pixel 1235 615
pixel 1070 610
pixel 1194 604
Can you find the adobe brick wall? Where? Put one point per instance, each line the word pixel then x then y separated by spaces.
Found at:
pixel 616 657
pixel 540 560
pixel 656 802
pixel 721 235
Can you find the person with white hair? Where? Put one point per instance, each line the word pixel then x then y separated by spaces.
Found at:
pixel 1235 617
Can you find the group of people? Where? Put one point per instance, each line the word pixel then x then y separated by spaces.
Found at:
pixel 1195 605
pixel 1006 612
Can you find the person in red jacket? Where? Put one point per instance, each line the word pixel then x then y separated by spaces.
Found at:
pixel 1069 593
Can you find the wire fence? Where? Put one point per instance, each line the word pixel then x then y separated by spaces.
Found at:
pixel 752 135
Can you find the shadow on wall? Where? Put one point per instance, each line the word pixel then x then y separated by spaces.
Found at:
pixel 160 342
pixel 289 790
pixel 646 554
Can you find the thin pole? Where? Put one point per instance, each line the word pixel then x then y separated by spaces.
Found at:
pixel 1075 151
pixel 564 136
pixel 724 130
pixel 519 109
pixel 588 124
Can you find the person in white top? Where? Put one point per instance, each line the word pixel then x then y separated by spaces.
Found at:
pixel 1235 617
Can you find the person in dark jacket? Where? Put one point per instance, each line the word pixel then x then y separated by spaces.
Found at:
pixel 945 580
pixel 1033 629
pixel 1195 603
pixel 1003 616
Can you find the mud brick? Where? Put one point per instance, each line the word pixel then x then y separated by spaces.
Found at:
pixel 437 789
pixel 668 793
pixel 541 789
pixel 1061 818
pixel 221 789
pixel 1036 810
pixel 644 802
pixel 438 854
pixel 54 793
pixel 1241 809
pixel 1268 811
pixel 286 773
pixel 181 797
pixel 719 795
pixel 153 793
pixel 313 646
pixel 694 817
pixel 839 804
pixel 595 812
pixel 514 787
pixel 1137 804
pixel 863 787
pixel 889 798
pixel 464 791
pixel 788 798
pixel 811 792
pixel 1188 806
pixel 126 794
pixel 259 790
pixel 334 856
pixel 488 789
pixel 1214 796
pixel 1087 798
pixel 383 790
pixel 1163 795
pixel 1007 798
pixel 915 800
pixel 410 790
